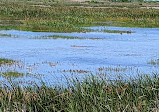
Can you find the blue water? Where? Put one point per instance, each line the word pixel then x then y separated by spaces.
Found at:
pixel 51 57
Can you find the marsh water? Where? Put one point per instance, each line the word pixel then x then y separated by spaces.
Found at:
pixel 96 52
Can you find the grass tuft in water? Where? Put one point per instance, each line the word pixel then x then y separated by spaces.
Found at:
pixel 4 61
pixel 4 35
pixel 12 74
pixel 59 36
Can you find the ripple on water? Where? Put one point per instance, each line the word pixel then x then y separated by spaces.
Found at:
pixel 96 50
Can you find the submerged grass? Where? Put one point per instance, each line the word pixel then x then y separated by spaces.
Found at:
pixel 90 95
pixel 69 17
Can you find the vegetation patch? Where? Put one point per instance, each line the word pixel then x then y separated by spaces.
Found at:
pixel 12 74
pixel 117 31
pixel 76 71
pixel 110 69
pixel 5 35
pixel 4 61
pixel 69 17
pixel 59 36
pixel 66 37
pixel 92 94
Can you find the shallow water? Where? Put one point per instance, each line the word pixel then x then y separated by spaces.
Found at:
pixel 56 59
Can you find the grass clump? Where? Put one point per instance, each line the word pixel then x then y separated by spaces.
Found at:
pixel 92 94
pixel 64 37
pixel 4 61
pixel 58 36
pixel 4 35
pixel 12 74
pixel 116 31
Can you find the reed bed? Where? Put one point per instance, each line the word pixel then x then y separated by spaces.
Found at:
pixel 94 94
pixel 59 17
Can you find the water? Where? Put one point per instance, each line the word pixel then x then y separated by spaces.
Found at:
pixel 54 60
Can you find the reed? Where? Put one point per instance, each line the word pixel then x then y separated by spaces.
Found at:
pixel 92 94
pixel 65 17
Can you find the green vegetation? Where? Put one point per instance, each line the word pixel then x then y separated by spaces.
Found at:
pixel 91 95
pixel 116 31
pixel 58 36
pixel 94 93
pixel 69 17
pixel 64 37
pixel 4 61
pixel 5 35
pixel 12 74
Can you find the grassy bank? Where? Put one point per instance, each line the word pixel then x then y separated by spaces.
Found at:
pixel 70 16
pixel 92 94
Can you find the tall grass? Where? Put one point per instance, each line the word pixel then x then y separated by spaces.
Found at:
pixel 92 94
pixel 61 17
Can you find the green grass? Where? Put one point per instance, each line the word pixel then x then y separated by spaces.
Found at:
pixel 116 31
pixel 4 61
pixel 67 37
pixel 69 17
pixel 12 74
pixel 63 37
pixel 4 35
pixel 57 37
pixel 93 94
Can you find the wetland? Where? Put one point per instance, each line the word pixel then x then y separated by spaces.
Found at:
pixel 79 56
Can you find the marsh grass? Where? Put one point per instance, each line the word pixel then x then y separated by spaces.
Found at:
pixel 12 74
pixel 4 35
pixel 63 37
pixel 116 31
pixel 66 37
pixel 92 94
pixel 4 61
pixel 58 37
pixel 59 17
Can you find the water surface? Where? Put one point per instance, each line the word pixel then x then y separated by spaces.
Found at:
pixel 54 60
